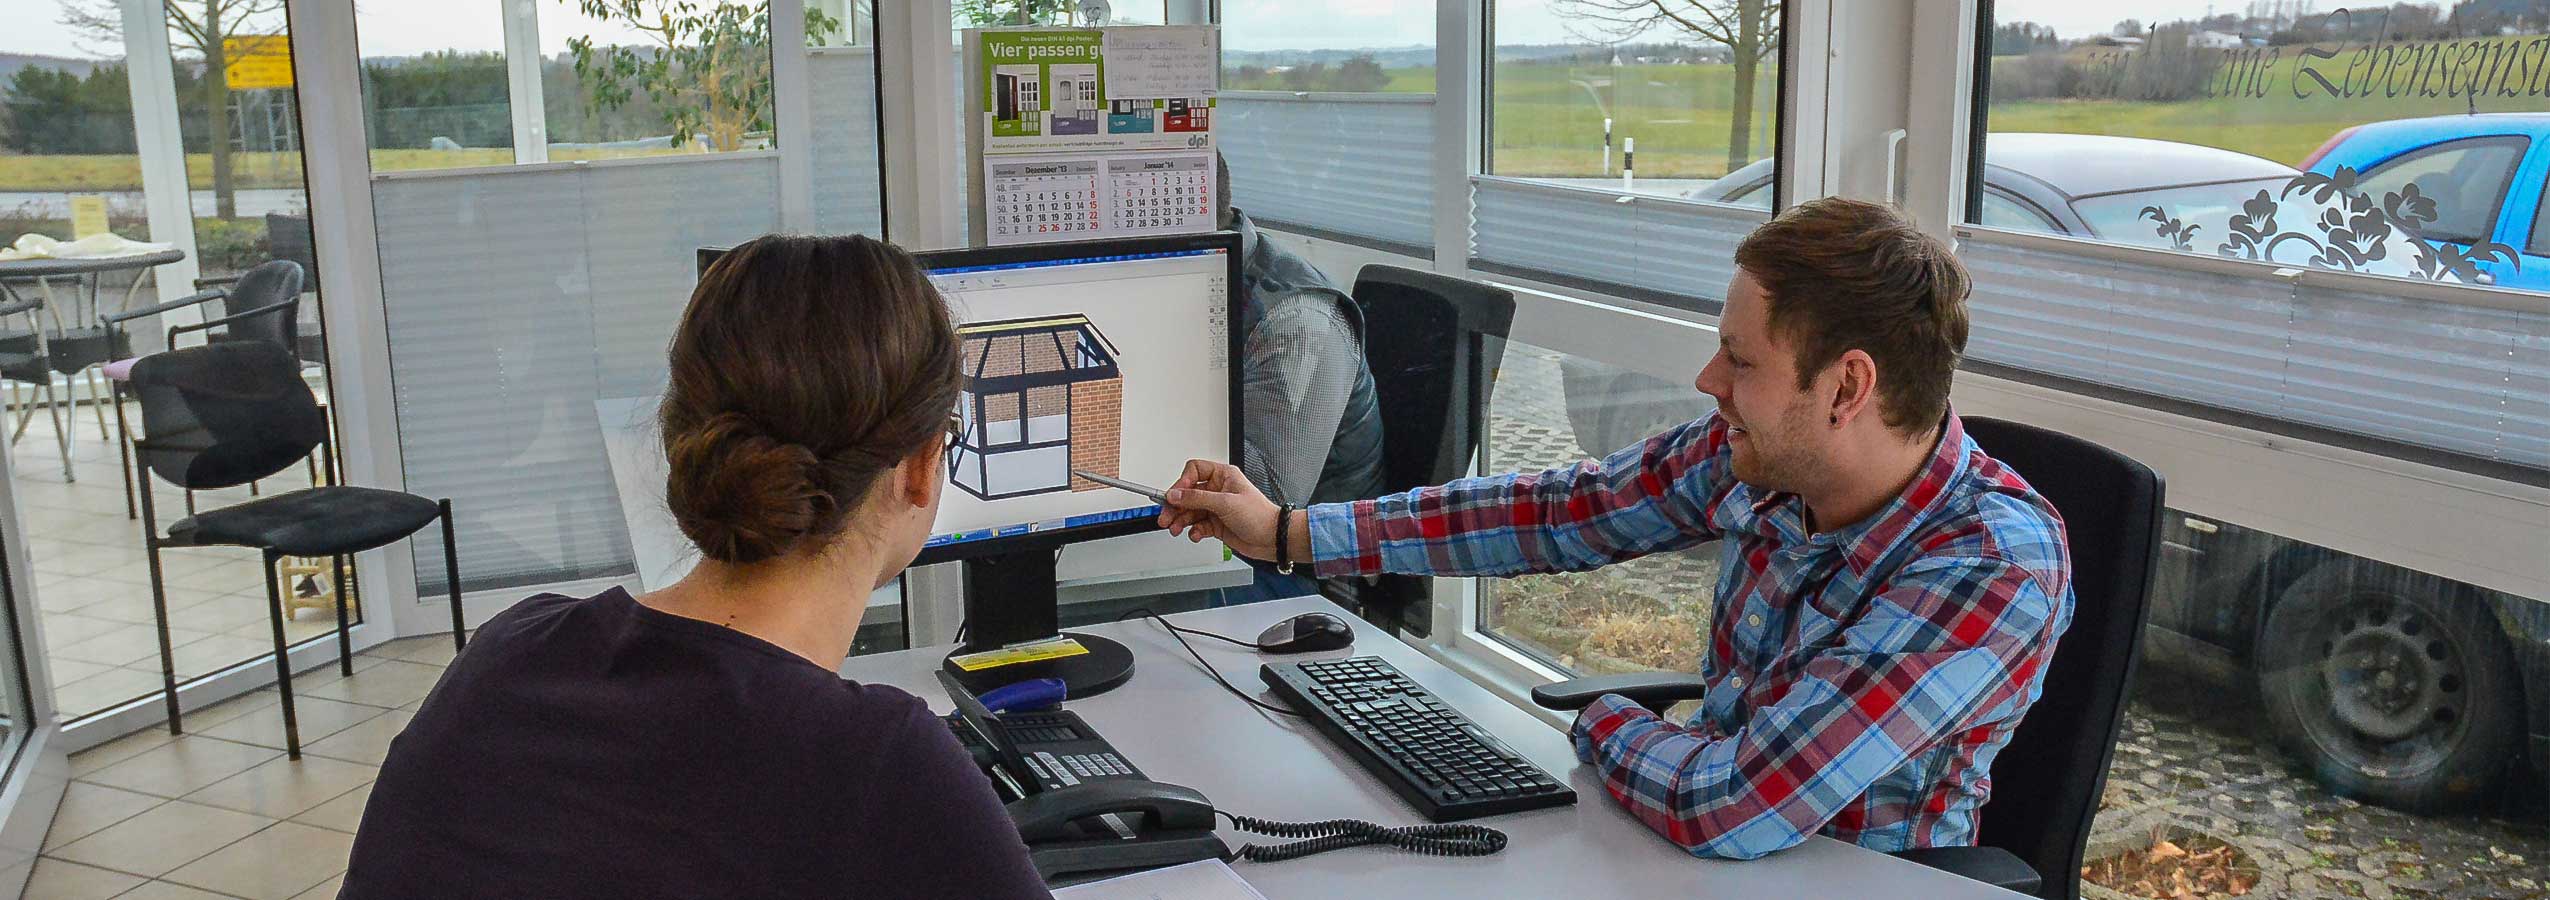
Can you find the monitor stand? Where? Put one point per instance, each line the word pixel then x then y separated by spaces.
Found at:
pixel 1009 599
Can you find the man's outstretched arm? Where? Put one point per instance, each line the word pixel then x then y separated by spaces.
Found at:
pixel 1654 496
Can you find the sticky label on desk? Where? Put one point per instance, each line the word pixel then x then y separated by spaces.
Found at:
pixel 1055 647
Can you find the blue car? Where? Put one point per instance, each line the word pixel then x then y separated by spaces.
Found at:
pixel 2485 173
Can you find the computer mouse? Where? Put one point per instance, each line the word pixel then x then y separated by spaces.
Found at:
pixel 1306 633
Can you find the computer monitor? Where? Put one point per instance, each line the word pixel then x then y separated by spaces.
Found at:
pixel 1115 357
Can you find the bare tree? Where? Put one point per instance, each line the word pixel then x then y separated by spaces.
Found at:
pixel 200 27
pixel 1750 30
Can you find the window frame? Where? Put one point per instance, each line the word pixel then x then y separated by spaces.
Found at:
pixel 1781 91
pixel 1785 174
pixel 1976 106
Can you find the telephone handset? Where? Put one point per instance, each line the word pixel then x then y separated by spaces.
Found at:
pixel 1075 818
pixel 1082 808
pixel 1057 814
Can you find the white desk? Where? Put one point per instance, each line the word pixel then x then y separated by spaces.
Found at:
pixel 1180 728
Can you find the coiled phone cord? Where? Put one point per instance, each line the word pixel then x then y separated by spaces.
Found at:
pixel 1337 834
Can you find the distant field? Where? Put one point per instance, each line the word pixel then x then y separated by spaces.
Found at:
pixel 1548 122
pixel 2278 128
pixel 251 170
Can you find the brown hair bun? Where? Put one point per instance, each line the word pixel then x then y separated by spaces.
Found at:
pixel 745 497
pixel 804 369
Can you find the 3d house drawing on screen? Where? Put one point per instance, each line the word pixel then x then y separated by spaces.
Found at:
pixel 1042 397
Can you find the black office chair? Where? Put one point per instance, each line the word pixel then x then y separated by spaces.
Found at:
pixel 24 360
pixel 2047 781
pixel 1433 343
pixel 289 239
pixel 227 413
pixel 82 341
pixel 262 304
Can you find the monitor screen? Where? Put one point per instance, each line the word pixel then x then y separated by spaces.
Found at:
pixel 1104 357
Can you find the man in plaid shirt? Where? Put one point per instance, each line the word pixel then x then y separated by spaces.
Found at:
pixel 1889 594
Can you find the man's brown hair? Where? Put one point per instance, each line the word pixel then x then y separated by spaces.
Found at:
pixel 1843 274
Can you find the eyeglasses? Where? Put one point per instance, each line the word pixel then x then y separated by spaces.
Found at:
pixel 955 430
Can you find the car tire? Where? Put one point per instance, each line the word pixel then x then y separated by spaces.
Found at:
pixel 2393 687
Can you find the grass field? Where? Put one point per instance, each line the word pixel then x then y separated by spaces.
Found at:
pixel 2278 128
pixel 251 170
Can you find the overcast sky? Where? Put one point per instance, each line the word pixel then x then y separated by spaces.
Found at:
pixel 407 27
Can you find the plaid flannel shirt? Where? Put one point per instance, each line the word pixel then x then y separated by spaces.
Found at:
pixel 1860 681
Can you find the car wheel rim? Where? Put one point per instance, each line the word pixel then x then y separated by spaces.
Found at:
pixel 2391 678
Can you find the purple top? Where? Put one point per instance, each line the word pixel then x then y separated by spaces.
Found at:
pixel 601 748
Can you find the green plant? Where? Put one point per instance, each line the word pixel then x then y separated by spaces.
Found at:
pixel 707 70
pixel 230 245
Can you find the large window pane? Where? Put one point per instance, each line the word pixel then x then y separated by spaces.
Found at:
pixel 1328 118
pixel 2365 728
pixel 2404 142
pixel 227 115
pixel 604 100
pixel 1631 143
pixel 434 85
pixel 518 298
pixel 1692 85
pixel 2192 113
pixel 1554 409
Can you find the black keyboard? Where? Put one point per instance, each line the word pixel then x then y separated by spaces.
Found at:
pixel 1433 756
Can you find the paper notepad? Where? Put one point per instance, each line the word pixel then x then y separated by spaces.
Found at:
pixel 1210 879
pixel 1162 61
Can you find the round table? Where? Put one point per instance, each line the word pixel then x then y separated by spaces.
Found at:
pixel 50 267
pixel 82 340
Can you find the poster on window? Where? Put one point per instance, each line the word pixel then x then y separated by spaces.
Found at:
pixel 1046 90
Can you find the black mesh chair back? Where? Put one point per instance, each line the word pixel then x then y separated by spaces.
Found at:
pixel 2046 783
pixel 22 357
pixel 224 414
pixel 289 238
pixel 272 292
pixel 1433 343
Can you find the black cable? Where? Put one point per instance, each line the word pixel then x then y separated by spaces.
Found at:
pixel 1177 632
pixel 1338 834
pixel 1156 617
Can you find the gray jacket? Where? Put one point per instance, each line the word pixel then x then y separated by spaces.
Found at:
pixel 1312 429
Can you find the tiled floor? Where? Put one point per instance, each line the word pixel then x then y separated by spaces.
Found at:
pixel 219 812
pixel 92 581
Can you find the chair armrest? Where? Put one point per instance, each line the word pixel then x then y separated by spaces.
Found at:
pixel 1653 690
pixel 233 317
pixel 157 308
pixel 202 283
pixel 19 306
pixel 1990 865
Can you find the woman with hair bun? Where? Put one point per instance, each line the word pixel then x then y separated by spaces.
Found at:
pixel 696 741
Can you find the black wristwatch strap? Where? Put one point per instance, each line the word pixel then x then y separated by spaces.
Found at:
pixel 1284 538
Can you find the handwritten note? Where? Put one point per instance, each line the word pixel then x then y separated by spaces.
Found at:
pixel 1163 61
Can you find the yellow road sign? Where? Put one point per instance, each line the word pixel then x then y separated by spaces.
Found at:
pixel 257 62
